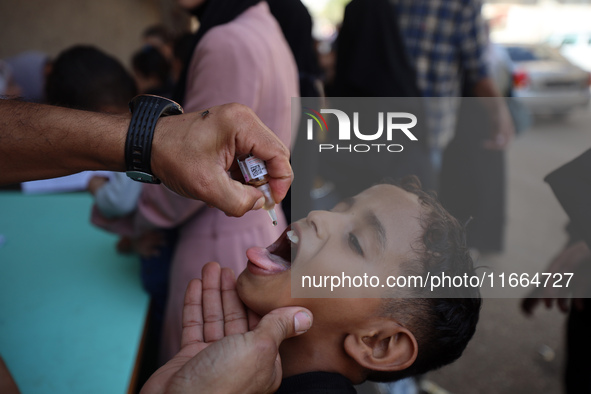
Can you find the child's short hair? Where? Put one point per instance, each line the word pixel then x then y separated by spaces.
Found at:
pixel 84 77
pixel 442 326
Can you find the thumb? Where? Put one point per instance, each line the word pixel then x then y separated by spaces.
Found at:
pixel 237 198
pixel 284 323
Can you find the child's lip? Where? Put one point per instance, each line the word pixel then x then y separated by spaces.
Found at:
pixel 261 262
pixel 274 259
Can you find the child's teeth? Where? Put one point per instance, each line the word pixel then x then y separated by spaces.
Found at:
pixel 291 235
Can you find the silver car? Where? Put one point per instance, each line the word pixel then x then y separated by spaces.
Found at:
pixel 576 47
pixel 545 81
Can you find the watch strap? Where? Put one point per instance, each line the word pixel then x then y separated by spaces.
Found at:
pixel 146 110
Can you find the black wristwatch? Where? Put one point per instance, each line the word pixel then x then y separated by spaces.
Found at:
pixel 146 110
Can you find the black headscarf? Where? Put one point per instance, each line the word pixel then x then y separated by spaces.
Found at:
pixel 296 24
pixel 210 14
pixel 372 60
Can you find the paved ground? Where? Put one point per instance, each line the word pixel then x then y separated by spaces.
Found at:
pixel 507 352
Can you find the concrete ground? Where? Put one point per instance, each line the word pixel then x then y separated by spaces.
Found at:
pixel 511 353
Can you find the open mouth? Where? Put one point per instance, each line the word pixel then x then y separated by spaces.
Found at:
pixel 279 256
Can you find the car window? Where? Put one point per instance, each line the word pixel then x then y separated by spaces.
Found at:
pixel 531 53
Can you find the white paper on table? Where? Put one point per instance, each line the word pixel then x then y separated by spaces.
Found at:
pixel 69 183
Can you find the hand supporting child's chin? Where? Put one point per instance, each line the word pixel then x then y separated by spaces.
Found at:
pixel 219 335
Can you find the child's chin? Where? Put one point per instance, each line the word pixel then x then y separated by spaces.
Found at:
pixel 259 307
pixel 250 296
pixel 261 294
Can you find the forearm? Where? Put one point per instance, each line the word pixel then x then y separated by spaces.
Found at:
pixel 39 141
pixel 191 154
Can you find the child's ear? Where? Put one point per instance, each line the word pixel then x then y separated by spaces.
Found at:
pixel 382 345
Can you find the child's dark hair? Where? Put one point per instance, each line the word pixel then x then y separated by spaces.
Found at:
pixel 149 62
pixel 444 321
pixel 86 78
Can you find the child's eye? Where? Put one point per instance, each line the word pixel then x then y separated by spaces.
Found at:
pixel 354 243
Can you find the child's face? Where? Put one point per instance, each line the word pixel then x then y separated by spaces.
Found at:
pixel 368 234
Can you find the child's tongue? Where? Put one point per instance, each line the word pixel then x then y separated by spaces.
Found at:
pixel 263 259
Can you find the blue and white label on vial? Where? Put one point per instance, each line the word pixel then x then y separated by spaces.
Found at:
pixel 255 167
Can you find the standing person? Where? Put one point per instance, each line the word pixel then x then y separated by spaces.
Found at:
pixel 296 24
pixel 158 36
pixel 152 72
pixel 372 62
pixel 240 55
pixel 409 48
pixel 182 50
pixel 446 42
pixel 472 181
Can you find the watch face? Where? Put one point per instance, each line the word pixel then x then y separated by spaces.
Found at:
pixel 142 177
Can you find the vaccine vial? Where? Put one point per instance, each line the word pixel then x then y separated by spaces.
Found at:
pixel 255 174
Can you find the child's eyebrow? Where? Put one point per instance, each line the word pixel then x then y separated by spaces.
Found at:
pixel 376 225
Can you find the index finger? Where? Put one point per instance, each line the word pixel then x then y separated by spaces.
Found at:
pixel 259 140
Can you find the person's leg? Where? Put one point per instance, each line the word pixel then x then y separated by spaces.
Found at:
pixel 577 375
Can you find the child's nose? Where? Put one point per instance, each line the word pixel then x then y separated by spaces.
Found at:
pixel 321 222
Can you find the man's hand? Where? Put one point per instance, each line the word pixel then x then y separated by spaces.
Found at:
pixel 575 258
pixel 503 128
pixel 192 154
pixel 218 353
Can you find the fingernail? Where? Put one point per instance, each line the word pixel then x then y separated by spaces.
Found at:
pixel 259 204
pixel 302 322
